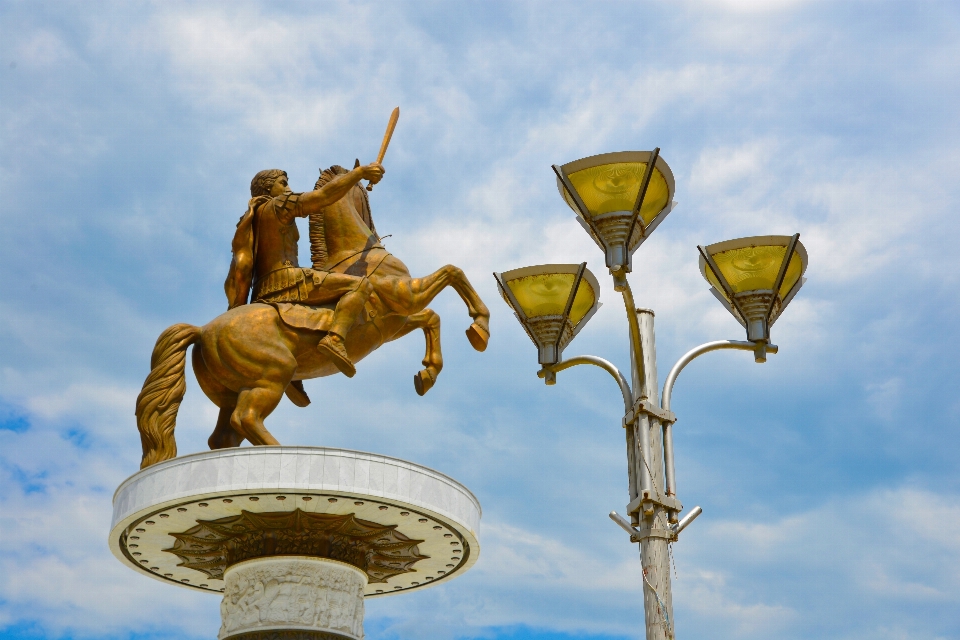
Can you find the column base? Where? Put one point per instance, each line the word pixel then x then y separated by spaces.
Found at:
pixel 289 634
pixel 292 598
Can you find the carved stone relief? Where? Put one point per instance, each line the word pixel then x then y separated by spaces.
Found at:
pixel 268 594
pixel 378 550
pixel 288 634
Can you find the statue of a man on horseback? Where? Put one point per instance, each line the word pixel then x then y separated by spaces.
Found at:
pixel 265 256
pixel 286 323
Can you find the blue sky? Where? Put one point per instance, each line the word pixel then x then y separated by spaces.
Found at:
pixel 828 476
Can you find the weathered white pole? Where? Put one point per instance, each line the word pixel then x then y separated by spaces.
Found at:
pixel 645 457
pixel 654 549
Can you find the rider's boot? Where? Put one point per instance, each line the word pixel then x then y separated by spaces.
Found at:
pixel 345 316
pixel 332 346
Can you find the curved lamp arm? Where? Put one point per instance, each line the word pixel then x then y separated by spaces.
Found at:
pixel 670 474
pixel 606 365
pixel 696 352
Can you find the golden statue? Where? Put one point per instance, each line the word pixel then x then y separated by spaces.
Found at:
pixel 299 323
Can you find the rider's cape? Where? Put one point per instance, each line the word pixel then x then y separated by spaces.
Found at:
pixel 240 277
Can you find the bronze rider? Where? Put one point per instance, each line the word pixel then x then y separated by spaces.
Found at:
pixel 265 255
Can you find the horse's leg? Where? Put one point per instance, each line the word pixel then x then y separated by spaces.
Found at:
pixel 297 394
pixel 224 435
pixel 248 352
pixel 429 321
pixel 408 296
pixel 253 405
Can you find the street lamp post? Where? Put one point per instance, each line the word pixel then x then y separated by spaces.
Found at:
pixel 619 199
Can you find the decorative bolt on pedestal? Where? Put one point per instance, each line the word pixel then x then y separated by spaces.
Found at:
pixel 619 199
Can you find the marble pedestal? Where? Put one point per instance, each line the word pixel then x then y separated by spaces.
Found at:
pixel 301 532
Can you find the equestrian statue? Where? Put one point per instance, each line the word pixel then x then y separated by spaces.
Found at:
pixel 286 323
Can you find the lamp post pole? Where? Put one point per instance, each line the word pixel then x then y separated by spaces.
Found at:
pixel 648 423
pixel 653 521
pixel 645 461
pixel 653 506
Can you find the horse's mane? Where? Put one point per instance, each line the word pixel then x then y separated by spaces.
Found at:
pixel 318 238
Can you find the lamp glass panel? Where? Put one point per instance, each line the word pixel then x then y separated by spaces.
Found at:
pixel 547 295
pixel 755 268
pixel 614 187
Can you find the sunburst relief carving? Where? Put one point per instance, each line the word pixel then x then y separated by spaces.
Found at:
pixel 378 550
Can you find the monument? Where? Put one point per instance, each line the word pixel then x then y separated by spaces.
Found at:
pixel 295 538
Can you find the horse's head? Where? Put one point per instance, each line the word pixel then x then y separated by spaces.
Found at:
pixel 357 196
pixel 344 224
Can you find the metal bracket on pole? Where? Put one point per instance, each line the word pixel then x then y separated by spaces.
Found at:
pixel 642 406
pixel 642 411
pixel 671 533
pixel 638 535
pixel 646 500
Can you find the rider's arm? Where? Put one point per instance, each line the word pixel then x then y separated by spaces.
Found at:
pixel 314 201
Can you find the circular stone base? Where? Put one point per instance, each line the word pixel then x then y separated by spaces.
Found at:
pixel 187 520
pixel 321 597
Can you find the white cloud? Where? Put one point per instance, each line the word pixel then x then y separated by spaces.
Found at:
pixel 710 597
pixel 724 169
pixel 533 560
pixel 749 6
pixel 870 550
pixel 43 49
pixel 63 575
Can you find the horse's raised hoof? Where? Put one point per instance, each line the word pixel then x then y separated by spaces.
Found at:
pixel 297 394
pixel 478 337
pixel 423 381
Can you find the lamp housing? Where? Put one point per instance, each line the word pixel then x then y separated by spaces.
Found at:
pixel 618 202
pixel 552 302
pixel 755 278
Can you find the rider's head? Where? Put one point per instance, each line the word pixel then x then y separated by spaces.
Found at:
pixel 269 182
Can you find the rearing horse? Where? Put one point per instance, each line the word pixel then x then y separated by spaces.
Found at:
pixel 246 358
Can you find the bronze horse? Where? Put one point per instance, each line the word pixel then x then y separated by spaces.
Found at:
pixel 245 359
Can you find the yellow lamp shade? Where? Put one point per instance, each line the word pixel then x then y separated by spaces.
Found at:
pixel 605 188
pixel 754 278
pixel 603 191
pixel 547 294
pixel 753 264
pixel 552 302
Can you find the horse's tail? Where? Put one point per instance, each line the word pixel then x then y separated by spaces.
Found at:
pixel 162 392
